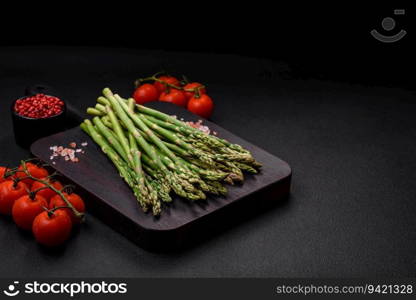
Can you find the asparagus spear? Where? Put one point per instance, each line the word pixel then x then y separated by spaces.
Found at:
pixel 197 144
pixel 176 183
pixel 121 166
pixel 148 186
pixel 183 127
pixel 94 112
pixel 146 195
pixel 156 153
pixel 156 140
pixel 112 140
pixel 120 134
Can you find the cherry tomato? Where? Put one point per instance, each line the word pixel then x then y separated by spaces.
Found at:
pixel 145 93
pixel 34 170
pixel 3 171
pixel 9 193
pixel 168 79
pixel 46 193
pixel 25 210
pixel 202 106
pixel 75 200
pixel 52 229
pixel 191 86
pixel 174 96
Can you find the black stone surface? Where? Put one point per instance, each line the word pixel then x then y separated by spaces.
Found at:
pixel 351 148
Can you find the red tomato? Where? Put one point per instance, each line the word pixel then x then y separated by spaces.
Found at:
pixel 145 93
pixel 46 193
pixel 3 171
pixel 25 210
pixel 9 193
pixel 34 170
pixel 52 229
pixel 75 200
pixel 202 106
pixel 168 79
pixel 174 96
pixel 191 86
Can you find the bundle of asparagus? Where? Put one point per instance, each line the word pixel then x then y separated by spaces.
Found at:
pixel 157 154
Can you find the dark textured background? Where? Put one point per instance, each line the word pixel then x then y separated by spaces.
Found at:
pixel 351 147
pixel 306 83
pixel 329 41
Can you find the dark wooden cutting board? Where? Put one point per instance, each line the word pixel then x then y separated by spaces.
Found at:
pixel 109 198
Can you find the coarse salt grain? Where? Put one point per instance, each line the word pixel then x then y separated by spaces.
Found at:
pixel 197 125
pixel 67 153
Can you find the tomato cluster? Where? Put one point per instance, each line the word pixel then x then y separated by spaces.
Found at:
pixel 191 95
pixel 36 202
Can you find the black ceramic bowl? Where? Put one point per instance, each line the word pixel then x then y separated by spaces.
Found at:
pixel 27 130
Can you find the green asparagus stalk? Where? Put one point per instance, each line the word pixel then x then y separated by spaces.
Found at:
pixel 120 134
pixel 156 140
pixel 245 167
pixel 127 122
pixel 94 112
pixel 173 138
pixel 113 156
pixel 157 154
pixel 120 108
pixel 147 189
pixel 214 141
pixel 100 108
pixel 137 120
pixel 111 139
pixel 102 100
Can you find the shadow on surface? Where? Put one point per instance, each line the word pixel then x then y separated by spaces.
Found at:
pixel 224 223
pixel 226 219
